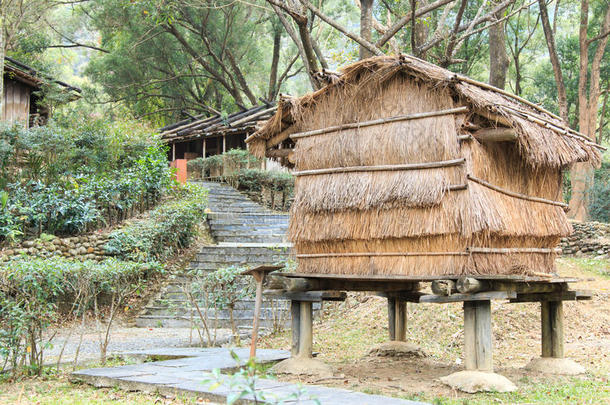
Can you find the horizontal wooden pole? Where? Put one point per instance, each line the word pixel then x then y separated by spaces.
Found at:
pixel 496 135
pixel 408 166
pixel 512 250
pixel 515 194
pixel 482 296
pixel 373 254
pixel 379 121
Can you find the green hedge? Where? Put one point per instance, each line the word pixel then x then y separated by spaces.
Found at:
pixel 167 229
pixel 30 290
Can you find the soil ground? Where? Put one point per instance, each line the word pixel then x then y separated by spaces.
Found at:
pixel 347 331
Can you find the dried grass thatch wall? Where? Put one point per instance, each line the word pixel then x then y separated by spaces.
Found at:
pixel 412 197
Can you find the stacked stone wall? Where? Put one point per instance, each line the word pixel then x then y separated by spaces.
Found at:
pixel 588 238
pixel 84 247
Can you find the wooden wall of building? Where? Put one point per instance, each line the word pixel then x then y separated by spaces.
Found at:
pixel 16 101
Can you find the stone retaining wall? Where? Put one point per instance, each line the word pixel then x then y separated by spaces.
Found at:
pixel 589 238
pixel 84 247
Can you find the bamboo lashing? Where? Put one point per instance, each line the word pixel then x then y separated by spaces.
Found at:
pixel 515 194
pixel 512 250
pixel 467 252
pixel 379 122
pixel 408 166
pixel 371 254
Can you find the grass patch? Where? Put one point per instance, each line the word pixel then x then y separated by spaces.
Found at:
pixel 597 267
pixel 568 391
pixel 57 389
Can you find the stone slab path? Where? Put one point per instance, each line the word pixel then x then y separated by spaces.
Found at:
pixel 188 371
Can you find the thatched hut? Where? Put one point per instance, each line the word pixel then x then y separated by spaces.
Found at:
pixel 407 169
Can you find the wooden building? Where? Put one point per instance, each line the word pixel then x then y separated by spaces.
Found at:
pixel 208 136
pixel 406 169
pixel 22 86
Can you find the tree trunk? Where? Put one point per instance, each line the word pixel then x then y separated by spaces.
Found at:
pixel 498 58
pixel 366 24
pixel 562 97
pixel 275 60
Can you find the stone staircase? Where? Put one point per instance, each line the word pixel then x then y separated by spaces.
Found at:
pixel 246 234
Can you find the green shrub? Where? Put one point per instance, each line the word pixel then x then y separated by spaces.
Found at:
pixel 30 290
pixel 253 180
pixel 74 204
pixel 227 163
pixel 168 228
pixel 72 176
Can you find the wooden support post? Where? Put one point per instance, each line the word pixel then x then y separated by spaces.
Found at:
pixel 306 330
pixel 295 311
pixel 203 148
pixel 397 319
pixel 551 316
pixel 173 152
pixel 392 317
pixel 477 336
pixel 224 143
pixel 401 321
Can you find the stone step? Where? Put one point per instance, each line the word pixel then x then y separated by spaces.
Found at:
pixel 248 235
pixel 152 321
pixel 266 313
pixel 253 238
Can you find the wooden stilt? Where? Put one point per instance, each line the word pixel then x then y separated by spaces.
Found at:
pixel 392 318
pixel 203 148
pixel 551 316
pixel 295 311
pixel 173 151
pixel 306 330
pixel 401 321
pixel 477 336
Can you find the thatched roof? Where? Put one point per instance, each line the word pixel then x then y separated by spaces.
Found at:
pixel 544 140
pixel 245 121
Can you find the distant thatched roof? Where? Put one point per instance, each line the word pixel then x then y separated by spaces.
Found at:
pixel 544 140
pixel 244 121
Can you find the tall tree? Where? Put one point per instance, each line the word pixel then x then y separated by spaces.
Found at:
pixel 498 58
pixel 366 26
pixel 549 34
pixel 589 93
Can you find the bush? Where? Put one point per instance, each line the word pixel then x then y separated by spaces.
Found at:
pixel 30 290
pixel 168 228
pixel 226 164
pixel 253 180
pixel 79 202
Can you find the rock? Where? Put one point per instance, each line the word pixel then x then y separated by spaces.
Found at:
pixel 90 249
pixel 28 244
pixel 9 252
pixel 72 252
pixel 551 365
pixel 303 366
pixel 57 242
pixel 396 349
pixel 477 381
